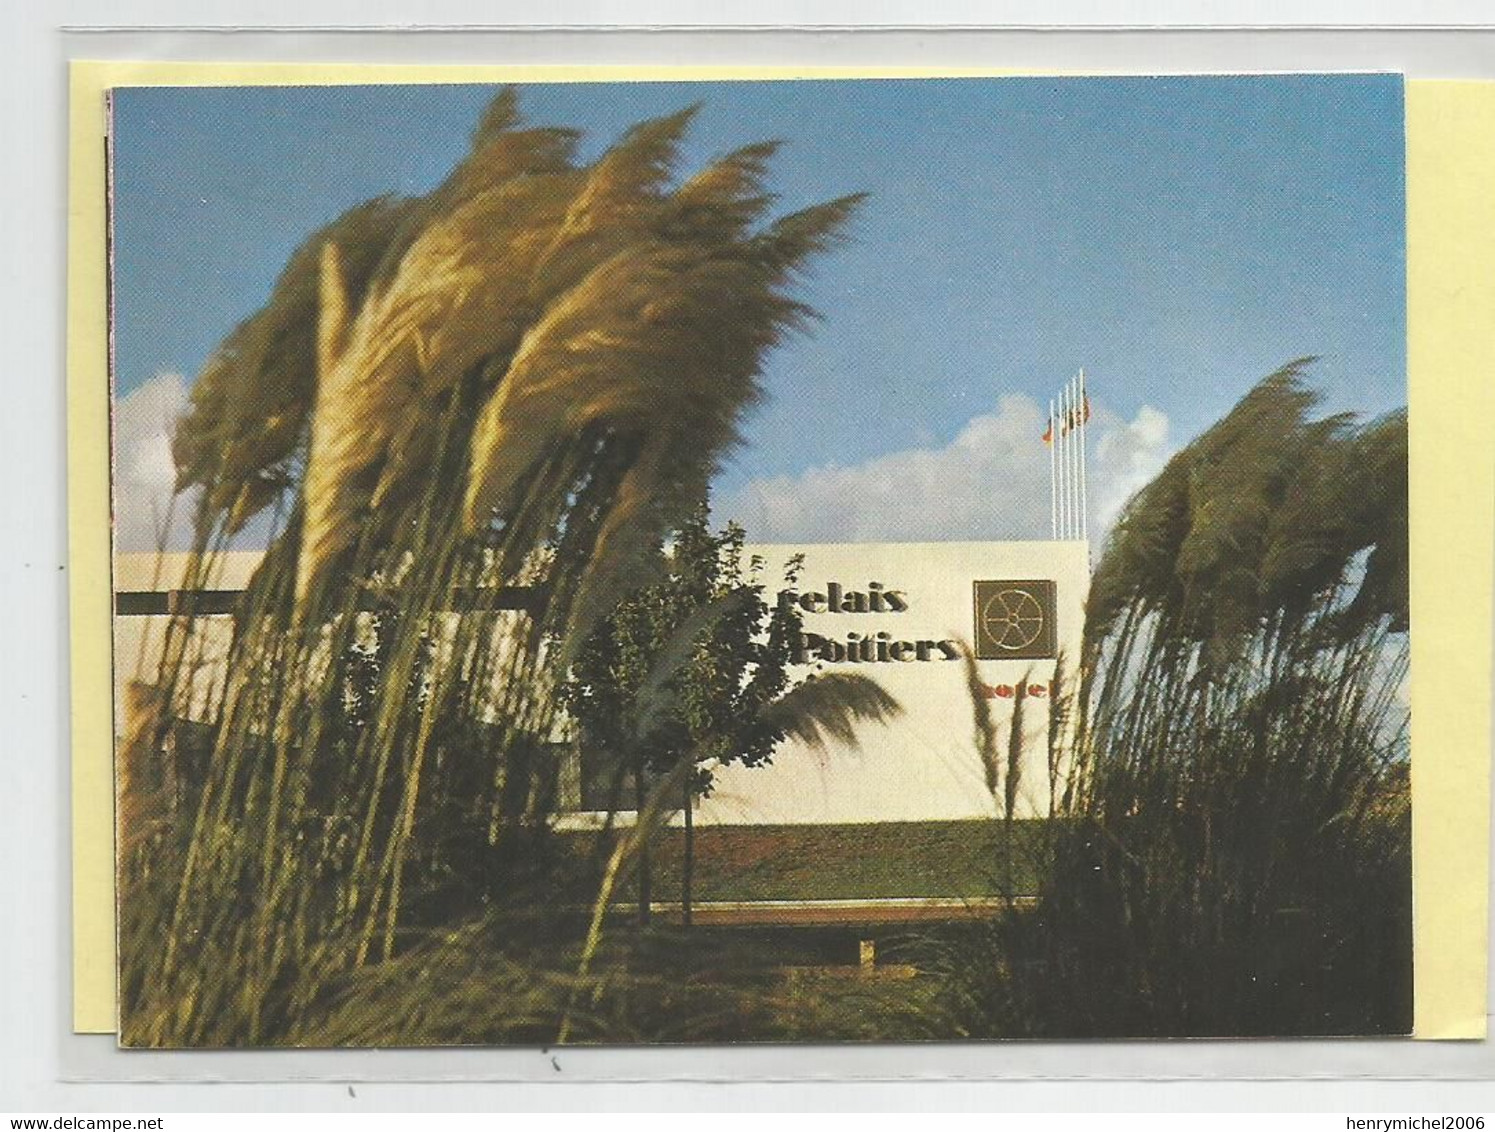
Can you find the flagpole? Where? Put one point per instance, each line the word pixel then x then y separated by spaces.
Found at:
pixel 1063 444
pixel 1053 477
pixel 1079 454
pixel 1074 463
pixel 1072 451
pixel 1069 472
pixel 1084 486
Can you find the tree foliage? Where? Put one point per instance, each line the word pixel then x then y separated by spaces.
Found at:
pixel 695 670
pixel 687 666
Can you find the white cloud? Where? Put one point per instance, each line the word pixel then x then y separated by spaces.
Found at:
pixel 145 517
pixel 1128 454
pixel 990 482
pixel 144 472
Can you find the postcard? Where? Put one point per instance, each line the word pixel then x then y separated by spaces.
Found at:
pixel 831 560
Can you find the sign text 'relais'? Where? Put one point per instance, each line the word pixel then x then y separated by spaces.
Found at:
pixel 866 648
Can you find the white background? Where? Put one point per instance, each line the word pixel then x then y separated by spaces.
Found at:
pixel 36 1049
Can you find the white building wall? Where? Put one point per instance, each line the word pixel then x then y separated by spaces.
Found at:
pixel 923 765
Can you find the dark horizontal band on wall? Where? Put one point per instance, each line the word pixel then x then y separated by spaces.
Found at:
pixel 155 603
pixel 161 603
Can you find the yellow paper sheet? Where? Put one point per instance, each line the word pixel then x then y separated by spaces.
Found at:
pixel 1450 320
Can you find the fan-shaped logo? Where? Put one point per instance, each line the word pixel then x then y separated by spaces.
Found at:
pixel 1015 619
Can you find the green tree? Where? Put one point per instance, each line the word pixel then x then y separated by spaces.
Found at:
pixel 692 673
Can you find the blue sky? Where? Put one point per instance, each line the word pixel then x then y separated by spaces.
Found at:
pixel 1177 237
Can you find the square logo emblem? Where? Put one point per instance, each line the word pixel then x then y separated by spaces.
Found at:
pixel 1015 620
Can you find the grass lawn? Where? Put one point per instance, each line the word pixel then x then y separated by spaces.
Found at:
pixel 951 859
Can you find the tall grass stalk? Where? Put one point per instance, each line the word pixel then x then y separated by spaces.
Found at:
pixel 517 384
pixel 1231 855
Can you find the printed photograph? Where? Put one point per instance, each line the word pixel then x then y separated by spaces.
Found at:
pixel 851 560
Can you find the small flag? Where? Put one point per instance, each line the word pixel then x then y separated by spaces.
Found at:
pixel 1073 419
pixel 1076 416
